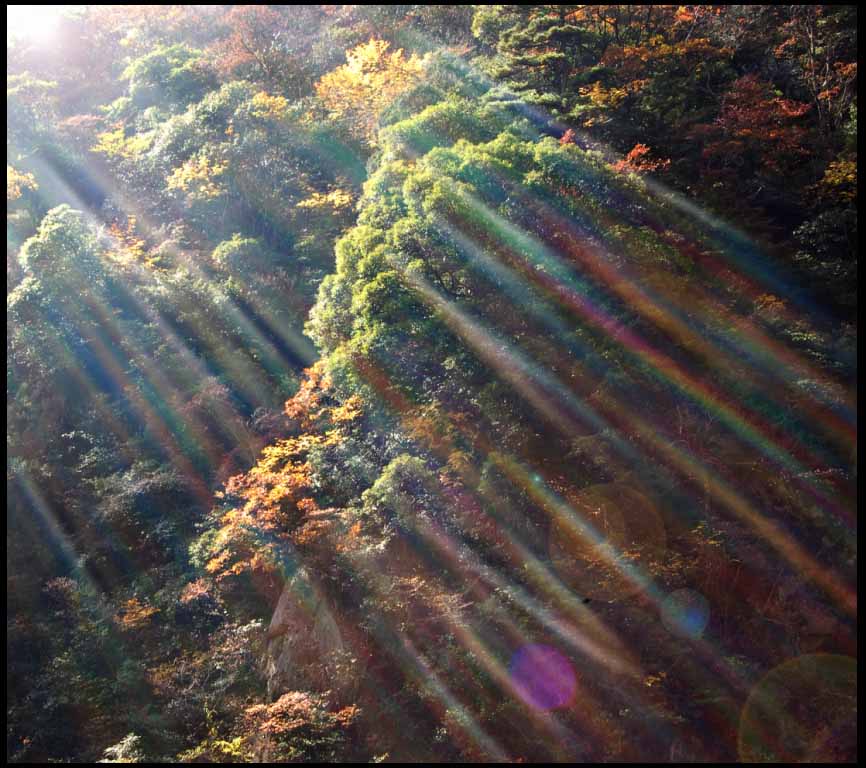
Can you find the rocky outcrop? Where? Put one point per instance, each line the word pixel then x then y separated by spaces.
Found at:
pixel 304 648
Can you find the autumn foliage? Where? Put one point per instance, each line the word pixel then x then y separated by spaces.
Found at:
pixel 370 80
pixel 270 504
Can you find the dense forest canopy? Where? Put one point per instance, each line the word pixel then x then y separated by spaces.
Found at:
pixel 431 383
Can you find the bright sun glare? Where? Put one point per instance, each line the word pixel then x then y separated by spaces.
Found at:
pixel 36 23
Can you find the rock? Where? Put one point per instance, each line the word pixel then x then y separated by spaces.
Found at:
pixel 304 648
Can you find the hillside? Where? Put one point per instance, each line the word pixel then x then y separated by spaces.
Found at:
pixel 431 383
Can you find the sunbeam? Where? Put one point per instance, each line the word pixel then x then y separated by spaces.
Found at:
pixel 431 383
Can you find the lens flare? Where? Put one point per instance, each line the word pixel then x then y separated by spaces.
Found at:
pixel 543 677
pixel 803 711
pixel 686 612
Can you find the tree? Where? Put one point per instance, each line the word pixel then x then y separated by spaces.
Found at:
pixel 169 76
pixel 263 45
pixel 369 81
pixel 542 47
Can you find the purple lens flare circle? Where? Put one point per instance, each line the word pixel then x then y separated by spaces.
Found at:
pixel 542 677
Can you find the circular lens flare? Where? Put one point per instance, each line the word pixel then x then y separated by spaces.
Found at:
pixel 686 612
pixel 803 711
pixel 543 677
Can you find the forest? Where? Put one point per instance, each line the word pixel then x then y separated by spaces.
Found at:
pixel 431 383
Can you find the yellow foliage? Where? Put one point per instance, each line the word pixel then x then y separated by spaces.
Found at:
pixel 337 198
pixel 651 680
pixel 116 144
pixel 369 81
pixel 348 411
pixel 306 404
pixel 17 182
pixel 277 458
pixel 600 96
pixel 770 305
pixel 840 180
pixel 217 563
pixel 130 248
pixel 193 591
pixel 269 107
pixel 459 462
pixel 198 177
pixel 135 614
